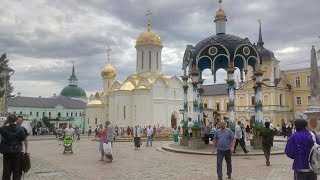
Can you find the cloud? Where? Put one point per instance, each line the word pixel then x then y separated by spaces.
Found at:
pixel 42 38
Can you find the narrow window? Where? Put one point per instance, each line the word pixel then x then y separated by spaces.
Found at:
pixel 88 121
pixel 308 81
pixel 157 60
pixel 30 113
pixel 36 113
pixel 71 114
pixel 49 115
pixel 124 112
pixel 67 114
pixel 76 114
pixel 142 60
pixel 149 59
pixel 20 112
pixel 218 106
pixel 309 99
pixel 280 99
pixel 43 114
pixel 95 120
pixel 253 100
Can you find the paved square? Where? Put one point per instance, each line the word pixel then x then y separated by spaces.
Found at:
pixel 48 162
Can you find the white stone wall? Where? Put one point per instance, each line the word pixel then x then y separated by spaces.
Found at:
pixel 92 113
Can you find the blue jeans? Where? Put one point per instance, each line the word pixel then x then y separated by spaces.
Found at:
pixel 227 155
pixel 304 175
pixel 149 140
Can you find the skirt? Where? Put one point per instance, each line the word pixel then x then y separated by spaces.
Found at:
pixel 136 142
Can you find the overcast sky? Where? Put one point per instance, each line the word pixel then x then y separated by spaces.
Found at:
pixel 42 38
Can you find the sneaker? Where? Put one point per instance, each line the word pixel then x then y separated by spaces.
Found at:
pixel 219 178
pixel 229 176
pixel 268 163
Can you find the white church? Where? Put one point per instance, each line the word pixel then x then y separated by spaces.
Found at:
pixel 146 97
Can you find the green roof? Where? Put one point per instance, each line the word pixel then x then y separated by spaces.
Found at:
pixel 73 91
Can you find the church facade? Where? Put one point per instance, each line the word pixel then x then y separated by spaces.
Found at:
pixel 146 97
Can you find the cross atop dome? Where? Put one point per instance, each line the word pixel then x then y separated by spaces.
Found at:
pixel 148 14
pixel 108 50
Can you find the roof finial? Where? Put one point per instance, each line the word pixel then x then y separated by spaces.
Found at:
pixel 260 41
pixel 220 1
pixel 108 50
pixel 148 14
pixel 72 67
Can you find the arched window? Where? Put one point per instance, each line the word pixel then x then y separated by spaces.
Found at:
pixel 281 100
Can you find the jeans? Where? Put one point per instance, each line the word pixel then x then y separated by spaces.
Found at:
pixel 266 152
pixel 304 175
pixel 149 140
pixel 11 165
pixel 227 155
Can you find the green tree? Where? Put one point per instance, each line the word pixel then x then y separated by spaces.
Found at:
pixel 46 122
pixel 6 79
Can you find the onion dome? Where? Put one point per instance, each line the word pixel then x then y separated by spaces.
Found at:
pixel 108 72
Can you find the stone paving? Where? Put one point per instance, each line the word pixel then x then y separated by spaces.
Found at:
pixel 48 162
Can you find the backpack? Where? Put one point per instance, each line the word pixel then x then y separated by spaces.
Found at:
pixel 25 162
pixel 314 156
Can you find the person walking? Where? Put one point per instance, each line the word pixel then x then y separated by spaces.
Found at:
pixel 267 135
pixel 206 131
pixel 175 134
pixel 102 136
pixel 89 132
pixel 137 137
pixel 190 124
pixel 284 130
pixel 11 147
pixel 239 139
pixel 109 138
pixel 248 133
pixel 149 136
pixel 298 148
pixel 77 132
pixel 224 142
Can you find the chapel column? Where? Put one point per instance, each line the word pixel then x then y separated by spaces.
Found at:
pixel 231 88
pixel 194 77
pixel 200 90
pixel 258 97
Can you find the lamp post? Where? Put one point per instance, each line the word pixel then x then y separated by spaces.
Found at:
pixel 83 115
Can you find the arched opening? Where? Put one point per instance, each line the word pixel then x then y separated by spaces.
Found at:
pixel 207 76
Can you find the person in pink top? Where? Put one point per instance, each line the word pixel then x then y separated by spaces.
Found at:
pixel 102 136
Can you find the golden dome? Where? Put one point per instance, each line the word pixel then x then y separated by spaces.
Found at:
pixel 149 37
pixel 108 72
pixel 221 14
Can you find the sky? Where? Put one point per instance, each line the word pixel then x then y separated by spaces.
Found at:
pixel 42 38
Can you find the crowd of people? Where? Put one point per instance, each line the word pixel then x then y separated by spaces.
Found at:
pixel 301 141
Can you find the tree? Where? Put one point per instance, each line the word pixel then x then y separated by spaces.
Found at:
pixel 46 122
pixel 5 80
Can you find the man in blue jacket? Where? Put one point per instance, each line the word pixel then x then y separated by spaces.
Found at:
pixel 298 148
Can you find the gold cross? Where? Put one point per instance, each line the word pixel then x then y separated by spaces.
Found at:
pixel 148 14
pixel 108 50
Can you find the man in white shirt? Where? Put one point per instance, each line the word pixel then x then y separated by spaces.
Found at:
pixel 69 131
pixel 239 138
pixel 190 124
pixel 149 135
